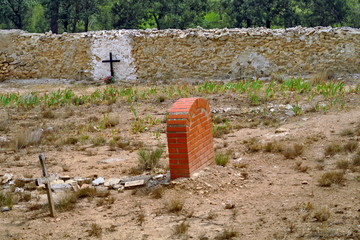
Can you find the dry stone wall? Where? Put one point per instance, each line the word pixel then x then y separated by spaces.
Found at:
pixel 194 54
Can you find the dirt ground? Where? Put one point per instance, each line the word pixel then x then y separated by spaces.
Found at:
pixel 270 188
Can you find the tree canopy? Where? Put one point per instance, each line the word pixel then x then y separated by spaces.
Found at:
pixel 85 15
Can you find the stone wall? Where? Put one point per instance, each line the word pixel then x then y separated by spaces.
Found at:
pixel 194 54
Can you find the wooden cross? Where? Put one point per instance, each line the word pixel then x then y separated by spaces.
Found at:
pixel 111 64
pixel 46 180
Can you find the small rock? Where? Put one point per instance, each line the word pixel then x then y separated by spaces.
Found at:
pixel 304 182
pixel 64 178
pixel 281 130
pixel 98 181
pixel 6 178
pixel 111 182
pixel 60 187
pixel 85 185
pixel 134 183
pixel 160 176
pixel 19 190
pixel 120 189
pixel 58 181
pixel 110 160
pixel 5 209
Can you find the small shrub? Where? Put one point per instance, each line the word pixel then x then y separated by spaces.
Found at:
pixel 342 164
pixel 181 229
pixel 110 120
pixel 98 141
pixel 19 183
pixel 157 192
pixel 48 114
pixel 35 207
pixel 26 137
pixel 322 215
pixel 140 218
pixel 219 130
pixel 25 197
pixel 300 168
pixel 6 199
pixel 95 230
pixel 347 132
pixel 355 161
pixel 149 159
pixel 350 146
pixel 221 159
pixel 293 151
pixel 253 145
pixel 86 192
pixel 67 203
pixel 332 149
pixel 329 178
pixel 273 147
pixel 71 140
pixel 175 205
pixel 227 234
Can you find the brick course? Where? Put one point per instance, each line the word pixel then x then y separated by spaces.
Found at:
pixel 190 140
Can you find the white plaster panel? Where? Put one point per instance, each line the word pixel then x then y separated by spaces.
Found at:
pixel 120 47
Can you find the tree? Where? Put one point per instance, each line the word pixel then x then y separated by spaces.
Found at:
pixel 16 11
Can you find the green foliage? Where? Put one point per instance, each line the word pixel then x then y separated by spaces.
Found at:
pixel 149 159
pixel 222 159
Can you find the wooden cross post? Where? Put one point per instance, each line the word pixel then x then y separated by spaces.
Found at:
pixel 47 185
pixel 111 64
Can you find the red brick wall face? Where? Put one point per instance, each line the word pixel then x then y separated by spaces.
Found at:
pixel 190 140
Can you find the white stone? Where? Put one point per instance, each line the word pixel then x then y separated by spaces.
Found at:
pixel 134 183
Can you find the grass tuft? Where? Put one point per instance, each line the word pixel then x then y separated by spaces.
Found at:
pixel 149 159
pixel 181 229
pixel 221 159
pixel 95 230
pixel 227 234
pixel 329 178
pixel 293 151
pixel 175 205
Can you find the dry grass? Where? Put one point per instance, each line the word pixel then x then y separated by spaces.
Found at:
pixel 149 159
pixel 157 192
pixel 293 151
pixel 322 214
pixel 355 161
pixel 329 178
pixel 348 132
pixel 273 147
pixel 95 230
pixel 26 137
pixel 300 168
pixel 332 149
pixel 350 146
pixel 48 113
pixel 227 234
pixel 4 121
pixel 342 164
pixel 320 77
pixel 175 205
pixel 181 229
pixel 253 145
pixel 67 203
pixel 110 120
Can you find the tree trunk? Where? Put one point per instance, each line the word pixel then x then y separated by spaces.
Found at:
pixel 54 9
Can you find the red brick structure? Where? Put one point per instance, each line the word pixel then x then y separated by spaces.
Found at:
pixel 190 140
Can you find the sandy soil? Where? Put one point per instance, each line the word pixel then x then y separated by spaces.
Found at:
pixel 260 194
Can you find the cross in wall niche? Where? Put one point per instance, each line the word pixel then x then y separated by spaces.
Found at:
pixel 111 61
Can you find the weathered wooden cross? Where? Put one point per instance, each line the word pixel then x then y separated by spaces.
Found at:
pixel 111 60
pixel 46 181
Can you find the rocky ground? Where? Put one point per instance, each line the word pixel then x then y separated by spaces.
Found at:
pixel 292 173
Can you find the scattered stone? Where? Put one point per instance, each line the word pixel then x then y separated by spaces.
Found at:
pixel 5 209
pixel 81 181
pixel 304 182
pixel 85 185
pixel 27 180
pixel 135 183
pixel 111 182
pixel 6 178
pixel 281 130
pixel 19 190
pixel 98 181
pixel 58 181
pixel 64 178
pixel 160 176
pixel 101 189
pixel 61 187
pixel 110 160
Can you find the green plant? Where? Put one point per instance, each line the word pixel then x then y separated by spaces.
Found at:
pixel 221 159
pixel 98 141
pixel 329 178
pixel 6 199
pixel 149 159
pixel 219 130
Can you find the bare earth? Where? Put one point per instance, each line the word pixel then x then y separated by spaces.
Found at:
pixel 260 194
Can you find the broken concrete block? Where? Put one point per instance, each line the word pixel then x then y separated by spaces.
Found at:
pixel 135 183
